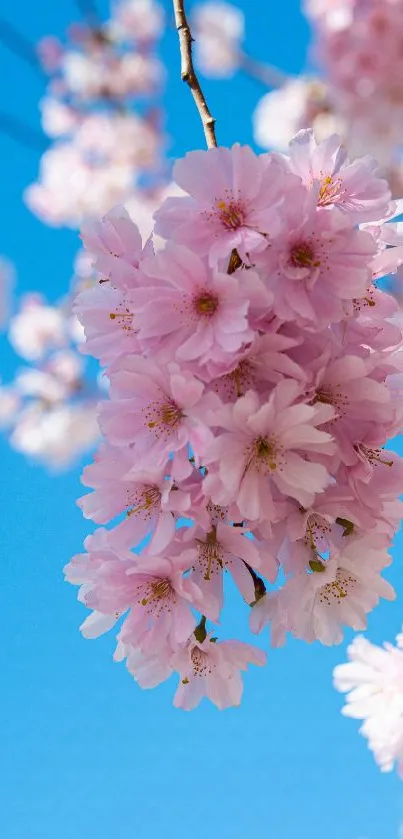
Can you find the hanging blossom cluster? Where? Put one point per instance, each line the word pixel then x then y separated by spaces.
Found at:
pixel 49 409
pixel 358 47
pixel 373 681
pixel 102 113
pixel 255 377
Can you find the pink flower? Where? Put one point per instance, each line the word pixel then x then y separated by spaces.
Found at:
pixel 341 590
pixel 161 599
pixel 263 363
pixel 192 312
pixel 261 446
pixel 211 668
pixel 116 243
pixel 153 590
pixel 121 486
pixel 316 263
pixel 108 317
pixel 352 187
pixel 157 411
pixel 224 548
pixel 234 198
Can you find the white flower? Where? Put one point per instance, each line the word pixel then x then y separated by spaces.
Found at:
pixel 219 30
pixel 373 681
pixel 56 437
pixel 137 20
pixel 279 114
pixel 36 329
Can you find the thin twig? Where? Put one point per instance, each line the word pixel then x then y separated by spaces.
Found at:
pixel 19 45
pixel 23 133
pixel 266 74
pixel 188 73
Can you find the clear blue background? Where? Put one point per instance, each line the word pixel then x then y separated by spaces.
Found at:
pixel 84 752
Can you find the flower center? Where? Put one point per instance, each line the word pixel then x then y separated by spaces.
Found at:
pixel 143 502
pixel 206 303
pixel 231 213
pixel 161 588
pixel 239 380
pixel 210 555
pixel 333 593
pixel 303 256
pixel 158 592
pixel 329 191
pixel 266 451
pixel 163 417
pixel 200 661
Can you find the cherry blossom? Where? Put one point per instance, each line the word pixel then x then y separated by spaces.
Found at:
pixel 254 373
pixel 219 29
pixel 372 679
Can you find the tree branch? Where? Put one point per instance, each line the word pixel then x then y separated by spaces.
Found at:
pixel 188 73
pixel 19 45
pixel 266 74
pixel 23 133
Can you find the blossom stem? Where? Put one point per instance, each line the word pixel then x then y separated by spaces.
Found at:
pixel 189 75
pixel 200 632
pixel 260 588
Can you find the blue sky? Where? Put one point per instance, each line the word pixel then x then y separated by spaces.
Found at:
pixel 84 751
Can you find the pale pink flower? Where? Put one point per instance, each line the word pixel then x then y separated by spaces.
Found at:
pixel 115 242
pixel 193 312
pixel 152 589
pixel 264 363
pixel 233 202
pixel 161 613
pixel 316 263
pixel 266 445
pixel 353 187
pixel 107 315
pixel 211 668
pixel 157 410
pixel 224 548
pixel 340 590
pixel 148 497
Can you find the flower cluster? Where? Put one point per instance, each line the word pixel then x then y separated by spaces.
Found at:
pixel 254 372
pixel 101 113
pixel 358 47
pixel 49 409
pixel 373 680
